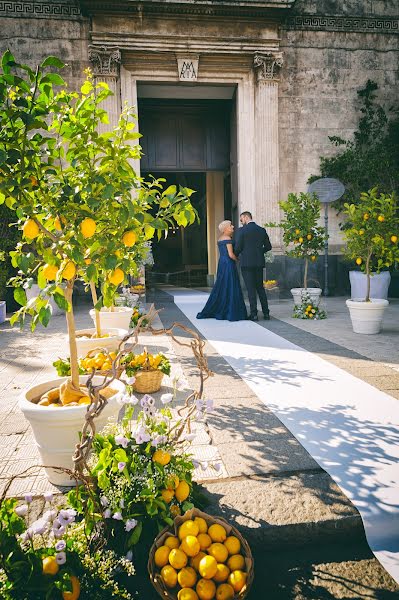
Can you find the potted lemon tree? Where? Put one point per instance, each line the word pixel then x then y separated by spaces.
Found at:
pixel 303 236
pixel 372 242
pixel 75 196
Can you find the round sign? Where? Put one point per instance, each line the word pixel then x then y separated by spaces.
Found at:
pixel 327 189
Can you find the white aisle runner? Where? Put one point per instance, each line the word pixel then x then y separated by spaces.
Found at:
pixel 349 427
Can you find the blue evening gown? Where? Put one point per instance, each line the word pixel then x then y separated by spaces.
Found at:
pixel 226 301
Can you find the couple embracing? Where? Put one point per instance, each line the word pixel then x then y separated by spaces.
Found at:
pixel 226 301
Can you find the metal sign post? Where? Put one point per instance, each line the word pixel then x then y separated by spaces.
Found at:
pixel 327 190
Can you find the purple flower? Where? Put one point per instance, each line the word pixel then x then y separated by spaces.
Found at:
pixel 204 466
pixel 49 515
pixel 133 400
pixel 166 398
pixel 159 439
pixel 149 411
pixel 61 545
pixel 104 501
pixel 22 510
pixel 217 466
pixel 58 529
pixel 196 464
pixel 48 496
pixel 39 526
pixel 27 535
pixel 107 513
pixel 121 440
pixel 147 400
pixel 60 558
pixel 121 465
pixel 131 380
pixel 66 516
pixel 117 516
pixel 28 498
pixel 130 524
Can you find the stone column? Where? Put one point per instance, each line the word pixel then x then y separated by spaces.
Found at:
pixel 267 66
pixel 106 63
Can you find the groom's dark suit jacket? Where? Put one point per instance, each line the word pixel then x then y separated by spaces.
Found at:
pixel 251 243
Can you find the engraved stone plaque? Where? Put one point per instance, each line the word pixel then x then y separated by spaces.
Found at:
pixel 327 189
pixel 187 68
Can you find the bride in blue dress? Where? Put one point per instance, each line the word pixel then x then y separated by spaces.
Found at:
pixel 226 301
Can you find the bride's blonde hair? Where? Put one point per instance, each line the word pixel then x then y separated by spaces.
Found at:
pixel 222 226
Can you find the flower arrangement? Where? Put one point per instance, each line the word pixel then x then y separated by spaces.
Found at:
pixel 308 310
pixel 138 288
pixel 53 557
pixel 137 314
pixel 270 284
pixel 145 362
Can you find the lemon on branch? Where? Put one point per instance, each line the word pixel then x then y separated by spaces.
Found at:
pixel 50 272
pixel 129 238
pixel 50 565
pixel 116 277
pixel 68 271
pixel 88 227
pixel 30 229
pixel 75 593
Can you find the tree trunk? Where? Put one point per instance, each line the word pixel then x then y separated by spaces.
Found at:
pixel 97 313
pixel 368 278
pixel 305 277
pixel 73 351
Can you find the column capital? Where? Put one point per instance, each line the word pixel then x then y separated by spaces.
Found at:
pixel 105 61
pixel 267 65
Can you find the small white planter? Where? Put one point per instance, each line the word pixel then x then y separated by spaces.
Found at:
pixel 314 294
pixel 379 284
pixel 56 430
pixel 2 311
pixel 367 317
pixel 119 317
pixel 111 343
pixel 34 291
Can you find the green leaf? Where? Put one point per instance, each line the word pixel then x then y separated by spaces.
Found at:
pixel 41 280
pixel 61 301
pixel 149 231
pixel 53 78
pixel 20 296
pixel 7 61
pixel 135 536
pixel 45 315
pixel 52 61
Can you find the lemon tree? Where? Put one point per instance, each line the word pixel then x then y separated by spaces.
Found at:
pixel 302 234
pixel 373 235
pixel 83 211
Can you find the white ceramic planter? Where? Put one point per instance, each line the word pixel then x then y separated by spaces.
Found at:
pixel 34 291
pixel 56 430
pixel 2 311
pixel 367 317
pixel 379 284
pixel 119 317
pixel 314 294
pixel 111 343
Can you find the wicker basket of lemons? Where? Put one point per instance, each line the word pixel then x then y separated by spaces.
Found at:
pixel 201 558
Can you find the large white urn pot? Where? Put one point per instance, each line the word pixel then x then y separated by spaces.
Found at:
pixel 56 430
pixel 298 293
pixel 379 284
pixel 111 342
pixel 118 317
pixel 367 317
pixel 34 291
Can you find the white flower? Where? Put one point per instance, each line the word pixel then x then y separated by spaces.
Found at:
pixel 131 380
pixel 60 558
pixel 129 555
pixel 58 529
pixel 121 440
pixel 48 496
pixel 209 406
pixel 27 535
pixel 66 516
pixel 149 411
pixel 196 464
pixel 61 545
pixel 133 400
pixel 39 526
pixel 147 400
pixel 107 513
pixel 159 439
pixel 28 498
pixel 117 516
pixel 141 436
pixel 121 465
pixel 104 501
pixel 49 515
pixel 22 510
pixel 130 524
pixel 204 466
pixel 166 398
pixel 217 466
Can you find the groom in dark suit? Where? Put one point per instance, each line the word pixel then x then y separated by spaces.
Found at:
pixel 251 243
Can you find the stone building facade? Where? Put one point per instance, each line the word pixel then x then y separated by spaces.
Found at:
pixel 282 75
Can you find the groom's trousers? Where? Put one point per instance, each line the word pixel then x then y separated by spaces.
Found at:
pixel 253 279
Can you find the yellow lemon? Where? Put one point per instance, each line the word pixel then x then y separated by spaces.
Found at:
pixel 113 355
pixel 30 229
pixel 236 562
pixel 361 231
pixel 309 236
pixel 177 558
pixel 237 579
pixel 88 227
pixel 225 592
pixel 300 240
pixel 172 482
pixel 222 573
pixel 204 540
pixel 169 576
pixel 161 457
pixel 202 524
pixel 208 567
pixel 297 231
pixel 366 216
pixel 189 527
pixel 313 258
pixel 182 492
pixel 75 593
pixel 233 544
pixel 33 181
pixel 129 238
pixel 359 261
pixel 206 589
pixel 187 594
pixel 88 261
pixel 116 277
pixel 190 545
pixel 174 510
pixel 381 218
pixel 172 542
pixel 219 552
pixel 167 495
pixel 69 271
pixel 394 239
pixel 50 566
pixel 187 577
pixel 106 366
pixel 161 556
pixel 194 562
pixel 50 272
pixel 217 533
pixel 57 224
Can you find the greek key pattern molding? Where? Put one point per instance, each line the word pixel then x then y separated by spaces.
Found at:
pixel 353 24
pixel 67 9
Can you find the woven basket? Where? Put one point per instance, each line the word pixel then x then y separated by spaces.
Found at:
pixel 153 570
pixel 148 382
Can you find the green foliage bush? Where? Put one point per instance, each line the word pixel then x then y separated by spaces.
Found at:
pixel 9 237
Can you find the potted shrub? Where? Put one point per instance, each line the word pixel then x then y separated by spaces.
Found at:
pixel 303 236
pixel 372 241
pixel 81 207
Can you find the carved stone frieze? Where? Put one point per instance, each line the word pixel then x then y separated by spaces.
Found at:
pixel 105 61
pixel 64 9
pixel 267 65
pixel 343 23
